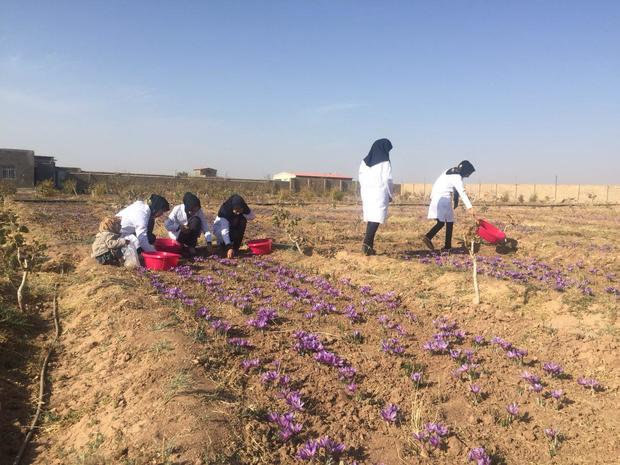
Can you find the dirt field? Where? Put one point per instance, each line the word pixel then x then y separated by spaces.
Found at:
pixel 200 365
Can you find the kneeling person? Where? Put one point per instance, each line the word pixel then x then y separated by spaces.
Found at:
pixel 229 225
pixel 187 222
pixel 108 246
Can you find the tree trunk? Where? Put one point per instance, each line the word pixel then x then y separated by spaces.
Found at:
pixel 20 291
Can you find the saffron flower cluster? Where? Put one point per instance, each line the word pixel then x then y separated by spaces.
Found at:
pixel 325 447
pixel 432 435
pixel 390 413
pixel 479 455
pixel 553 369
pixel 286 424
pixel 392 346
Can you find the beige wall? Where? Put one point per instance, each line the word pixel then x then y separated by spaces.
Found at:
pixel 528 193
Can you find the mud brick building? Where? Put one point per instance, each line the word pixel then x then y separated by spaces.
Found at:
pixel 22 168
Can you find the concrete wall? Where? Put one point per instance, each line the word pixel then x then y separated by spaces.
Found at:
pixel 527 193
pixel 23 161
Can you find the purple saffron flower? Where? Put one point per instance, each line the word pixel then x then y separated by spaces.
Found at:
pixel 536 387
pixel 328 358
pixel 513 409
pixel 530 378
pixel 293 399
pixel 479 340
pixel 269 377
pixel 239 342
pixel 248 364
pixel 351 388
pixel 552 433
pixel 590 383
pixel 330 446
pixel 390 413
pixel 553 369
pixel 416 377
pixel 308 450
pixel 475 389
pixel 557 394
pixel 479 455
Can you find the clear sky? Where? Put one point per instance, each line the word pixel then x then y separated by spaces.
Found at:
pixel 526 90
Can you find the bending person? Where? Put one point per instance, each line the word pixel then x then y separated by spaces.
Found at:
pixel 187 222
pixel 447 189
pixel 138 219
pixel 375 178
pixel 229 225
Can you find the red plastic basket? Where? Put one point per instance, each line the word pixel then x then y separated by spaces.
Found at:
pixel 490 233
pixel 160 260
pixel 260 246
pixel 167 245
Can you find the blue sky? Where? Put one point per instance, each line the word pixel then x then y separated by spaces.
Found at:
pixel 526 90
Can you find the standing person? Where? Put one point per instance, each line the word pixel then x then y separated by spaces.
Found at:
pixel 375 178
pixel 138 219
pixel 447 189
pixel 187 222
pixel 229 225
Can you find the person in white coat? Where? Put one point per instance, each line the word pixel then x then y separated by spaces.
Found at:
pixel 229 225
pixel 138 220
pixel 446 190
pixel 375 178
pixel 187 222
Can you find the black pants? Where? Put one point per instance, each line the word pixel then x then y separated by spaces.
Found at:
pixel 111 257
pixel 190 236
pixel 236 231
pixel 371 230
pixel 435 229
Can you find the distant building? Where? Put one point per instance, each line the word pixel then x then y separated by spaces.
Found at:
pixel 286 176
pixel 22 168
pixel 205 172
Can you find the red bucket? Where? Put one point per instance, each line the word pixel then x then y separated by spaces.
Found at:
pixel 260 246
pixel 160 260
pixel 167 245
pixel 490 233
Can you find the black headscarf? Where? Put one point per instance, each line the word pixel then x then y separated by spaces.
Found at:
pixel 379 152
pixel 234 201
pixel 465 168
pixel 157 202
pixel 190 201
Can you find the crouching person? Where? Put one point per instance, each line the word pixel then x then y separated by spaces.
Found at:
pixel 187 222
pixel 108 245
pixel 229 225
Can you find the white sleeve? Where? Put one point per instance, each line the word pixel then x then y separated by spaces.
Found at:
pixel 460 188
pixel 205 226
pixel 389 183
pixel 172 224
pixel 225 231
pixel 250 216
pixel 141 229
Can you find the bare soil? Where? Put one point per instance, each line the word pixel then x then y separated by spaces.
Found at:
pixel 139 378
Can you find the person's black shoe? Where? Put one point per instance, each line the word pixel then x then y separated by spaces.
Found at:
pixel 367 250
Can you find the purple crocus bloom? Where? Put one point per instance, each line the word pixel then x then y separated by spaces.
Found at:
pixel 536 387
pixel 530 378
pixel 390 413
pixel 351 388
pixel 293 399
pixel 513 409
pixel 479 340
pixel 589 383
pixel 479 455
pixel 557 394
pixel 250 363
pixel 553 369
pixel 330 446
pixel 416 377
pixel 269 376
pixel 308 450
pixel 475 389
pixel 552 433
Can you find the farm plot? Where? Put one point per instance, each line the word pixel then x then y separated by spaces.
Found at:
pixel 332 370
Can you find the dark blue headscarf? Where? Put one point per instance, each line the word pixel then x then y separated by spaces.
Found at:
pixel 379 152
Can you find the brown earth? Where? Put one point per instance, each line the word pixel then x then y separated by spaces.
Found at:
pixel 138 379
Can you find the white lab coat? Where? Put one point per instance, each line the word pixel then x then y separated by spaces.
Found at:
pixel 376 190
pixel 178 218
pixel 135 221
pixel 440 207
pixel 221 228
